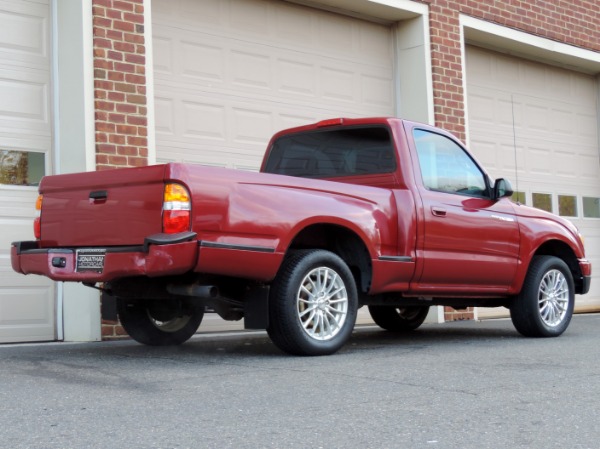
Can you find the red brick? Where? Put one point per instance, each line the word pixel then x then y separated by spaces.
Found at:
pixel 122 5
pixel 105 3
pixel 106 149
pixel 117 139
pixel 137 161
pixel 128 150
pixel 135 79
pixel 125 87
pixel 125 47
pixel 134 38
pixel 121 25
pixel 124 67
pixel 116 76
pixel 137 120
pixel 114 55
pixel 134 18
pixel 114 35
pixel 101 138
pixel 116 118
pixel 136 99
pixel 127 129
pixel 102 22
pixel 104 105
pixel 99 73
pixel 137 141
pixel 114 14
pixel 135 59
pixel 127 108
pixel 100 42
pixel 101 159
pixel 116 96
pixel 118 160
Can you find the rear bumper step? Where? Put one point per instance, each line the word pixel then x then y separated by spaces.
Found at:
pixel 161 255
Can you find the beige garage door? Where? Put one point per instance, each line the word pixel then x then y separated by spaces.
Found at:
pixel 230 73
pixel 27 303
pixel 556 133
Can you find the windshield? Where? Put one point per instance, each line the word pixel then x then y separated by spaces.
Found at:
pixel 333 153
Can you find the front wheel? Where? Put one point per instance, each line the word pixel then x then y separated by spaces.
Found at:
pixel 160 322
pixel 312 304
pixel 399 319
pixel 545 305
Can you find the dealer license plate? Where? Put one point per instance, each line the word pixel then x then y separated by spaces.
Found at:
pixel 90 260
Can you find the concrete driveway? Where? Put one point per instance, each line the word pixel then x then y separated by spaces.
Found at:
pixel 454 385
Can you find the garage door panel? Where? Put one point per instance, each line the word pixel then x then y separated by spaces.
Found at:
pixel 26 311
pixel 262 66
pixel 24 104
pixel 201 120
pixel 26 302
pixel 556 133
pixel 202 62
pixel 23 34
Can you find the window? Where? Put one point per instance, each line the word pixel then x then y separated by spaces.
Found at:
pixel 21 168
pixel 591 207
pixel 519 197
pixel 446 167
pixel 567 205
pixel 542 201
pixel 334 152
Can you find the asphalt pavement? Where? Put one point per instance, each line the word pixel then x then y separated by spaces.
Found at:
pixel 446 386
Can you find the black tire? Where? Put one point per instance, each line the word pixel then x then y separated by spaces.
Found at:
pixel 160 323
pixel 301 323
pixel 399 319
pixel 545 305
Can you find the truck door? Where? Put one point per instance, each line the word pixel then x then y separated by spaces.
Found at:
pixel 469 242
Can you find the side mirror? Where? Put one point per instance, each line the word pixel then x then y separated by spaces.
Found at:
pixel 502 188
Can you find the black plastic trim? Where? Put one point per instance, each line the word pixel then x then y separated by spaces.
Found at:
pixel 585 285
pixel 29 245
pixel 396 258
pixel 259 249
pixel 168 239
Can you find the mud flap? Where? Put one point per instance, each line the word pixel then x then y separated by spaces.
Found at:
pixel 256 308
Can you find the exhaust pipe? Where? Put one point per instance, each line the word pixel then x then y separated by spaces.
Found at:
pixel 194 290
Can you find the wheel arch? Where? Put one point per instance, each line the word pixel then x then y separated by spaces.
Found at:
pixel 343 242
pixel 563 251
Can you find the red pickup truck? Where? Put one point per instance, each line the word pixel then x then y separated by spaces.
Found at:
pixel 345 213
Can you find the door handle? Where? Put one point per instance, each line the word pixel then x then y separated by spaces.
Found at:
pixel 98 196
pixel 438 211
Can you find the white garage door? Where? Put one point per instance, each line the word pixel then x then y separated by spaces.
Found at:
pixel 27 303
pixel 230 73
pixel 556 134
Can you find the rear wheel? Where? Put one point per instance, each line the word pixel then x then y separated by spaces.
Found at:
pixel 399 319
pixel 313 304
pixel 160 323
pixel 545 305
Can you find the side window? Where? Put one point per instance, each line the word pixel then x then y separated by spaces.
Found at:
pixel 446 167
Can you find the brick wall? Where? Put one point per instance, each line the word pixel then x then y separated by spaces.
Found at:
pixel 573 22
pixel 120 94
pixel 120 84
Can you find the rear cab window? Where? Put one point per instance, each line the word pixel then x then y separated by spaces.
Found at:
pixel 331 153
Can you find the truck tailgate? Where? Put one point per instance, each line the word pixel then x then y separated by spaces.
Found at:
pixel 105 208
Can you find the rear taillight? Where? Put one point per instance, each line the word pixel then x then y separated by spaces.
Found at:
pixel 37 221
pixel 176 209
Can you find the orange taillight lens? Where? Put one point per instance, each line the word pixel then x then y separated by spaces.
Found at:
pixel 37 221
pixel 176 209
